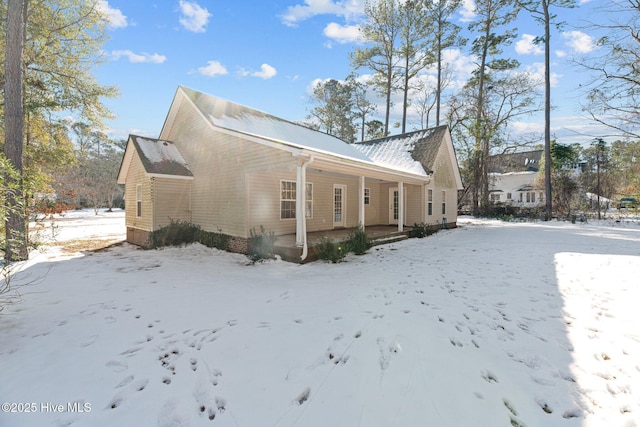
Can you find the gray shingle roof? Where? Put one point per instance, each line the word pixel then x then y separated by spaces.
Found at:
pixel 413 152
pixel 528 161
pixel 160 157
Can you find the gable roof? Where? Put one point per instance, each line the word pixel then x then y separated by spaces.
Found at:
pixel 157 156
pixel 415 163
pixel 527 161
pixel 413 152
pixel 228 115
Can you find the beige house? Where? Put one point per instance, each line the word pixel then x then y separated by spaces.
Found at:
pixel 230 169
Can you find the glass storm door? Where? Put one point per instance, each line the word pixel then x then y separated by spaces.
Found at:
pixel 394 205
pixel 339 196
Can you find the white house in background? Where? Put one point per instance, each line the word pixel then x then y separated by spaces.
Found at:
pixel 512 179
pixel 231 169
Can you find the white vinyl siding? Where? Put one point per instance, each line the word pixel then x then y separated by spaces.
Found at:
pixel 171 201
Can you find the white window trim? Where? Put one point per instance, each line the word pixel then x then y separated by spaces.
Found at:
pixel 429 201
pixel 444 202
pixel 308 205
pixel 367 196
pixel 280 190
pixel 138 200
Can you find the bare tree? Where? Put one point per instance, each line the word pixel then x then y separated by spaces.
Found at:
pixel 426 97
pixel 361 105
pixel 613 96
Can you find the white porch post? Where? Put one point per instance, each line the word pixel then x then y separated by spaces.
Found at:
pixel 300 209
pixel 361 203
pixel 400 206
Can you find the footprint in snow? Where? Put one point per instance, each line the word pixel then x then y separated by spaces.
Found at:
pixel 88 341
pixel 488 376
pixel 116 366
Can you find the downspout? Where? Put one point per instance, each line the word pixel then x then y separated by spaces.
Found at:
pixel 305 246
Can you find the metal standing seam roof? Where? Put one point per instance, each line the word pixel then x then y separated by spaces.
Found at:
pixel 231 116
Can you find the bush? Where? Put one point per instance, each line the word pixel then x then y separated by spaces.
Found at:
pixel 214 240
pixel 421 230
pixel 181 233
pixel 175 234
pixel 330 250
pixel 358 242
pixel 261 245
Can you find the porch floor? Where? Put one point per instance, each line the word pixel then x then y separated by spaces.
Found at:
pixel 286 247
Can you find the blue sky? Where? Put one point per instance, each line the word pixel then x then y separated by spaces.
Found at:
pixel 268 54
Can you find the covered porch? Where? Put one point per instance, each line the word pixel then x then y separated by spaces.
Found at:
pixel 286 247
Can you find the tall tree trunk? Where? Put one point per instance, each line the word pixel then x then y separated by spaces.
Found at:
pixel 481 185
pixel 405 101
pixel 439 84
pixel 16 222
pixel 547 111
pixel 388 101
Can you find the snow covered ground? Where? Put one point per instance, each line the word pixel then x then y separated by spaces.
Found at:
pixel 490 324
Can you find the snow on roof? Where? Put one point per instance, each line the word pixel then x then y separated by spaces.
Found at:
pixel 160 156
pixel 411 152
pixel 228 115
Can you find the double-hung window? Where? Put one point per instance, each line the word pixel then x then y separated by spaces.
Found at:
pixel 139 200
pixel 288 200
pixel 444 202
pixel 429 201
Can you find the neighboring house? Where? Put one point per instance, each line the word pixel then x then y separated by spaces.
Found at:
pixel 512 179
pixel 231 169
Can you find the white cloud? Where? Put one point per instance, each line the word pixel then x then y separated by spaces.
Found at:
pixel 461 65
pixel 537 69
pixel 114 16
pixel 561 53
pixel 193 16
pixel 266 72
pixel 212 69
pixel 468 10
pixel 526 46
pixel 342 33
pixel 579 42
pixel 348 9
pixel 137 58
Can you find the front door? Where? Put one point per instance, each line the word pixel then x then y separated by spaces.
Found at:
pixel 339 197
pixel 394 205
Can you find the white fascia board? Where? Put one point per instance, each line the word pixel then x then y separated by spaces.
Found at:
pixel 163 175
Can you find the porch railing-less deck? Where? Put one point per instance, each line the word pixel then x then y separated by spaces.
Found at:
pixel 286 247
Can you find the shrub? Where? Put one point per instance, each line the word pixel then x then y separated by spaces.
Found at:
pixel 214 240
pixel 330 250
pixel 358 242
pixel 175 234
pixel 180 233
pixel 261 245
pixel 421 230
